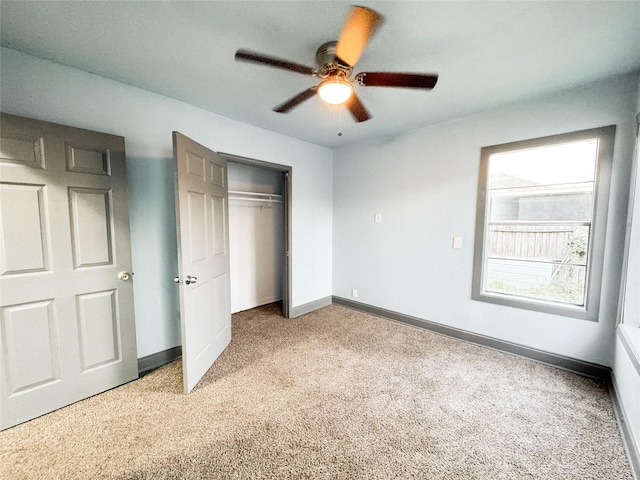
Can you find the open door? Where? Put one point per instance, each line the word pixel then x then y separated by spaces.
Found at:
pixel 203 256
pixel 67 326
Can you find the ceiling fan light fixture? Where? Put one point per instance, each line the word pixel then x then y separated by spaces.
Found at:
pixel 335 90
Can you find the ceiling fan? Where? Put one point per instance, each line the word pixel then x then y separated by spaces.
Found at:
pixel 335 66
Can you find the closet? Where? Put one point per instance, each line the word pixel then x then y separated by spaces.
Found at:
pixel 256 235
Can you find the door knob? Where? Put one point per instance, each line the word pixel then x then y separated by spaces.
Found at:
pixel 124 276
pixel 189 279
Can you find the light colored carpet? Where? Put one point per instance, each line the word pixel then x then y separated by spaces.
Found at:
pixel 333 394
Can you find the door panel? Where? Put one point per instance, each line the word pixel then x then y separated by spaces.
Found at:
pixel 23 149
pixel 99 326
pixel 32 324
pixel 200 300
pixel 221 296
pixel 202 219
pixel 219 235
pixel 197 224
pixel 67 323
pixel 91 227
pixel 88 160
pixel 25 231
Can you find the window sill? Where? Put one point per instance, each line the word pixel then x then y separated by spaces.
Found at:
pixel 630 338
pixel 536 305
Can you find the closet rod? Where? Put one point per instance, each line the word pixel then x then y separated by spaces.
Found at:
pixel 263 198
pixel 259 200
pixel 238 193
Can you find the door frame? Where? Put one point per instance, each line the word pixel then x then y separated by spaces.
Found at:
pixel 286 221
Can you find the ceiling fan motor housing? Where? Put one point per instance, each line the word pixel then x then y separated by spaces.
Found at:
pixel 328 64
pixel 326 53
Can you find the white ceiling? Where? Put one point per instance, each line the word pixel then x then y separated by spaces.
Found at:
pixel 486 53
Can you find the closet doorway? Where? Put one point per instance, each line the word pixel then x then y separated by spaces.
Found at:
pixel 259 233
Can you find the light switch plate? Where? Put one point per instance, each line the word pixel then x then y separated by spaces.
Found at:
pixel 457 242
pixel 377 218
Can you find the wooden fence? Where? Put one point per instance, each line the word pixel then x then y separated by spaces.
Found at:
pixel 542 242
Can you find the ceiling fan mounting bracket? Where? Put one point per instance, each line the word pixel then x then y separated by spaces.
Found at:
pixel 333 69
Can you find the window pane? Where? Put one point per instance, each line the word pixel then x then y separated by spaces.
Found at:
pixel 557 244
pixel 566 163
pixel 552 207
pixel 540 209
pixel 545 281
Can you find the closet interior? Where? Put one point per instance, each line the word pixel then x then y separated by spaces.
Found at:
pixel 256 235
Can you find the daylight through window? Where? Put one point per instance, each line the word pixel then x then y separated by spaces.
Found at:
pixel 537 211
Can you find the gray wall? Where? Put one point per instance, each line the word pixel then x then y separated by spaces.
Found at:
pixel 48 91
pixel 424 184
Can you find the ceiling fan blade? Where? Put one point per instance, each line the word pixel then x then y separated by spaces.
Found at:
pixel 357 109
pixel 395 79
pixel 254 57
pixel 295 101
pixel 358 28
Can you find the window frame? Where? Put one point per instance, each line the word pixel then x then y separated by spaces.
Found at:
pixel 595 262
pixel 633 215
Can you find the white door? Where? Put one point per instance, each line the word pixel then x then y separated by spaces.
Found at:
pixel 203 256
pixel 67 324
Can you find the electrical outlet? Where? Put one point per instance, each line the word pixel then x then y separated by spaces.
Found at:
pixel 354 293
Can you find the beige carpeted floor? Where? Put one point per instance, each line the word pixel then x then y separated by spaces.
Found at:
pixel 333 394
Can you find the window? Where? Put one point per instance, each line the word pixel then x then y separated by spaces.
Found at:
pixel 541 221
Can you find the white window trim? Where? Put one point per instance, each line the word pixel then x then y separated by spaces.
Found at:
pixel 598 226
